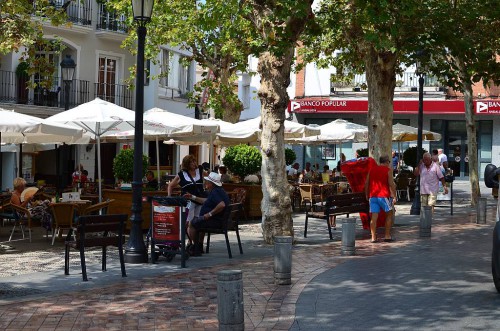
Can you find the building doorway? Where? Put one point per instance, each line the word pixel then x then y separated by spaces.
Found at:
pixel 458 158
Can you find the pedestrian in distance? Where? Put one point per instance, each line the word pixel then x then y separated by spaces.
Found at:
pixel 380 191
pixel 430 175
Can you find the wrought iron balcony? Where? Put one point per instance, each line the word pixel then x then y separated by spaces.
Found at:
pixel 110 21
pixel 115 93
pixel 79 12
pixel 15 90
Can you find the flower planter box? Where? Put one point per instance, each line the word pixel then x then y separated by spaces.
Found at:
pixel 253 198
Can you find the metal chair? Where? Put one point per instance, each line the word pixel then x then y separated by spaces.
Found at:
pixel 22 220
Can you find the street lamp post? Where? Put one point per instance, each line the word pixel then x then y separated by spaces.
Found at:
pixel 68 68
pixel 135 251
pixel 415 207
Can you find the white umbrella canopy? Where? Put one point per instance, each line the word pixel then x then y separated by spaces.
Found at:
pixel 335 132
pixel 401 132
pixel 16 128
pixel 100 118
pixel 293 130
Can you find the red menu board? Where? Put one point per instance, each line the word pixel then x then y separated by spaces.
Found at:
pixel 166 222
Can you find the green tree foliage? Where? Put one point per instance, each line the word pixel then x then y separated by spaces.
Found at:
pixel 123 165
pixel 375 37
pixel 462 43
pixel 410 156
pixel 290 156
pixel 243 160
pixel 216 35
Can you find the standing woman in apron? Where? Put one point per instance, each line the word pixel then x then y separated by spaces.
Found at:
pixel 190 179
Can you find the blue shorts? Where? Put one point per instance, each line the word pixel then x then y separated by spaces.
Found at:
pixel 377 204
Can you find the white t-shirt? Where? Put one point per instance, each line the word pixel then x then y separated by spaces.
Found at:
pixel 442 158
pixel 292 172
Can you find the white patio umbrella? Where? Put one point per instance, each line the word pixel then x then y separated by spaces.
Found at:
pixel 293 130
pixel 335 132
pixel 162 124
pixel 401 132
pixel 17 128
pixel 99 118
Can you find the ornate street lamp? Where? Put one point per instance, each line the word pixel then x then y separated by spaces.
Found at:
pixel 135 251
pixel 420 71
pixel 68 67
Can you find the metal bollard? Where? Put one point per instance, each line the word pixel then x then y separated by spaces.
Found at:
pixel 348 237
pixel 283 260
pixel 425 221
pixel 481 211
pixel 230 300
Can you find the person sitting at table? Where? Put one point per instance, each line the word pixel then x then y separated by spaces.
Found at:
pixel 224 177
pixel 308 172
pixel 342 159
pixel 211 213
pixel 152 183
pixel 40 211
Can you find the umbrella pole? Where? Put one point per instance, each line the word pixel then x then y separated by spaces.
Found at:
pixel 99 162
pixel 158 162
pixel 1 163
pixel 20 168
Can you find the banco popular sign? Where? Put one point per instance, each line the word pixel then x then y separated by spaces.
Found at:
pixel 483 107
pixel 487 107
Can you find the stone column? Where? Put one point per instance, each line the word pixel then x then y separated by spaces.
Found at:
pixel 283 260
pixel 425 221
pixel 348 236
pixel 230 300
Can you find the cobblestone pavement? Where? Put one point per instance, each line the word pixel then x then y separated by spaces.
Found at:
pixel 181 299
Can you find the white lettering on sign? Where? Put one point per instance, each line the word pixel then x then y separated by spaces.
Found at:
pixel 488 107
pixel 312 105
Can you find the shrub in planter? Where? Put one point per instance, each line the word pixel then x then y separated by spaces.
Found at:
pixel 243 160
pixel 362 152
pixel 410 156
pixel 290 156
pixel 123 165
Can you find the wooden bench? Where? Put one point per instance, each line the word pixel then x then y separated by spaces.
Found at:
pixel 97 231
pixel 338 204
pixel 231 216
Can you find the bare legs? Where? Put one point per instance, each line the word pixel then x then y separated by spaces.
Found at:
pixel 389 219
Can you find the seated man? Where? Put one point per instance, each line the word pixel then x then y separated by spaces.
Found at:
pixel 211 212
pixel 152 183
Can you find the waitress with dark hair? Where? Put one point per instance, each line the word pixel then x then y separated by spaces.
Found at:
pixel 190 179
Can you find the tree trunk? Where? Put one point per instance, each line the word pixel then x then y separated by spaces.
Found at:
pixel 229 101
pixel 470 124
pixel 276 204
pixel 381 81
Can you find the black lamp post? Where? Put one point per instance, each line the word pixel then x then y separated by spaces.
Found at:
pixel 68 67
pixel 415 207
pixel 135 251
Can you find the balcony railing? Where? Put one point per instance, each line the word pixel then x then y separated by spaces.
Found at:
pixel 15 90
pixel 120 95
pixel 405 80
pixel 110 21
pixel 79 12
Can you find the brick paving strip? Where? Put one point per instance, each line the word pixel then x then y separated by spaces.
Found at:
pixel 188 300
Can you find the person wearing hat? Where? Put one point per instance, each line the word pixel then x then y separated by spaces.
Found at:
pixel 211 212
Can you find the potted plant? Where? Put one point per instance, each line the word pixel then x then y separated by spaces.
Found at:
pixel 22 82
pixel 123 167
pixel 243 160
pixel 410 156
pixel 290 156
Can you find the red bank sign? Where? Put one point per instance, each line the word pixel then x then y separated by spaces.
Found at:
pixel 302 106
